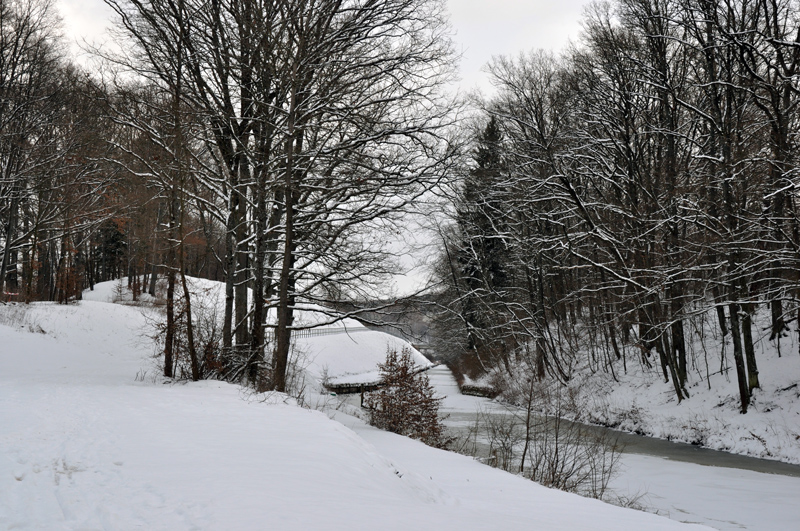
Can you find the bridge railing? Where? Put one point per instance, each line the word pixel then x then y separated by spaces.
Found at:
pixel 317 332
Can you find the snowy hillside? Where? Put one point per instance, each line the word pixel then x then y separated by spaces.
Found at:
pixel 342 352
pixel 92 439
pixel 636 398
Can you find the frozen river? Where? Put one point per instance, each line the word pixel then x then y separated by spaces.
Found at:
pixel 681 481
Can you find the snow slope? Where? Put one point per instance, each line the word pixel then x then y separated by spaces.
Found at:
pixel 85 444
pixel 710 417
pixel 342 352
pixel 640 401
pixel 728 499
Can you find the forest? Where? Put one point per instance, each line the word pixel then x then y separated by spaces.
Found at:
pixel 623 192
pixel 614 198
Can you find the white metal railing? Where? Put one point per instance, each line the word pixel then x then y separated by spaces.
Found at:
pixel 317 332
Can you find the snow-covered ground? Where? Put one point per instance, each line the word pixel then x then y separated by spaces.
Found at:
pixel 340 352
pixel 724 498
pixel 90 440
pixel 640 401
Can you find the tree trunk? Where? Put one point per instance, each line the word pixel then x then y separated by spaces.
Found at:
pixel 285 308
pixel 230 268
pixel 749 351
pixel 679 348
pixel 738 356
pixel 169 336
pixel 9 236
pixel 257 335
pixel 241 275
pixel 190 329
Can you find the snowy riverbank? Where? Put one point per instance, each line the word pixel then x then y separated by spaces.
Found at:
pixel 643 403
pixel 631 395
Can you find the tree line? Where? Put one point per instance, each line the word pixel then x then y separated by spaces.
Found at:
pixel 619 192
pixel 267 144
pixel 613 195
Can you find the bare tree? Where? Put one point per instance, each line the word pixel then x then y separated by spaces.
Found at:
pixel 325 120
pixel 52 184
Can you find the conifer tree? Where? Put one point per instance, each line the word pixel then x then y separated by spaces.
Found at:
pixel 482 256
pixel 407 404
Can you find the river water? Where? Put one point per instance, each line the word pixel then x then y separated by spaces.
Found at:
pixel 680 481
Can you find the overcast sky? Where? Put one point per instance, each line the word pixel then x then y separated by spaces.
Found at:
pixel 483 28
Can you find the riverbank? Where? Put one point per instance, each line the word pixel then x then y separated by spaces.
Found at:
pixel 631 394
pixel 642 402
pixel 687 483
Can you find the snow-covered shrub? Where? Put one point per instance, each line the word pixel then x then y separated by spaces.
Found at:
pixel 406 404
pixel 535 439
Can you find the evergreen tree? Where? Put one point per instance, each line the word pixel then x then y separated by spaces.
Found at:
pixel 407 404
pixel 481 213
pixel 483 248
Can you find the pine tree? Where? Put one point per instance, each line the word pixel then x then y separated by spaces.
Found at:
pixel 481 213
pixel 406 404
pixel 483 253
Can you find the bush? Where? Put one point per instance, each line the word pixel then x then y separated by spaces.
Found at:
pixel 214 363
pixel 406 404
pixel 548 449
